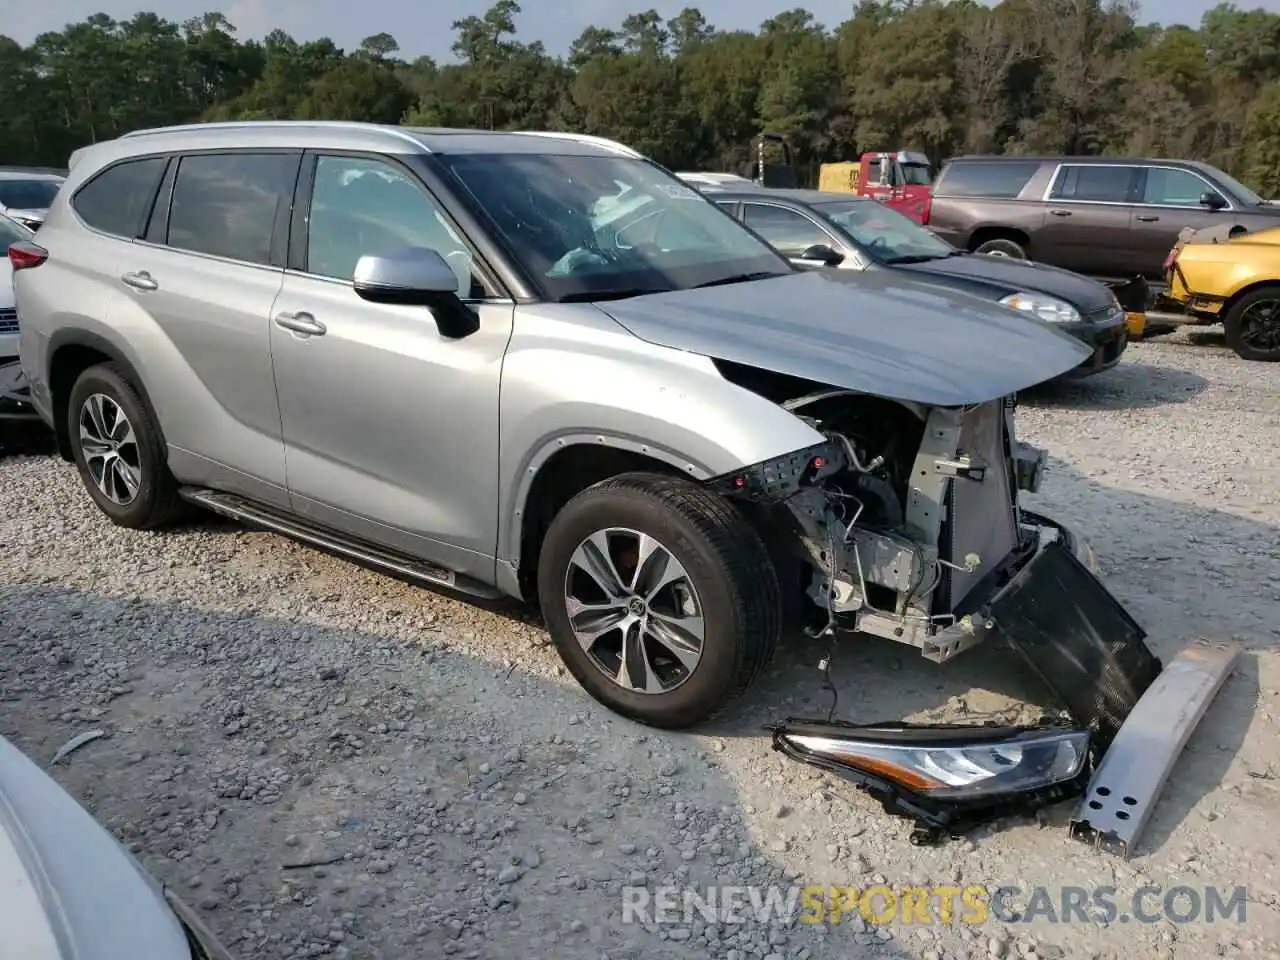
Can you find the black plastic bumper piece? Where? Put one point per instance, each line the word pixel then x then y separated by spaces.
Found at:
pixel 1077 637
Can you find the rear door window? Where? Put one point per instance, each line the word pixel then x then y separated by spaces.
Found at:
pixel 233 205
pixel 988 179
pixel 118 199
pixel 1095 183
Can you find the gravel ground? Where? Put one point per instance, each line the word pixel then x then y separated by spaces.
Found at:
pixel 328 762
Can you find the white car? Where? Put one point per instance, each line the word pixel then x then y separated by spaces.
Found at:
pixel 14 392
pixel 68 890
pixel 10 232
pixel 25 195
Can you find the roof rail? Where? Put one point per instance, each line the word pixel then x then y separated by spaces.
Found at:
pixel 260 124
pixel 604 142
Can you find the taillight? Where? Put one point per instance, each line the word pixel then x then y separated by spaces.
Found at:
pixel 24 255
pixel 1171 259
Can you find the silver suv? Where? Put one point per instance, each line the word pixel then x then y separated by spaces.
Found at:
pixel 456 355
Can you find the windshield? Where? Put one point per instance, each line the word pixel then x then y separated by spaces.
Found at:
pixel 11 232
pixel 27 194
pixel 587 226
pixel 916 174
pixel 1239 189
pixel 885 234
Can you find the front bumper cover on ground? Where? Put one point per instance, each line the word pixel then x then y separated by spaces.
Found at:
pixel 1068 628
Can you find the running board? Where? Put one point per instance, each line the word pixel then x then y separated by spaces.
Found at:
pixel 277 521
pixel 1133 771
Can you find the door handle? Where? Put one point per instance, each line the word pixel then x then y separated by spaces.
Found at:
pixel 139 281
pixel 303 323
pixel 1060 213
pixel 1147 219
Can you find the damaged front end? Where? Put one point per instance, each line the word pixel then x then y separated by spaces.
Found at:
pixel 907 524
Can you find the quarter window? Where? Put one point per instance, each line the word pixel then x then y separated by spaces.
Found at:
pixel 118 199
pixel 1096 183
pixel 228 205
pixel 361 206
pixel 1173 188
pixel 989 179
pixel 789 232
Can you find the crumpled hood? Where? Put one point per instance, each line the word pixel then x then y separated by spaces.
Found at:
pixel 876 332
pixel 1001 276
pixel 68 890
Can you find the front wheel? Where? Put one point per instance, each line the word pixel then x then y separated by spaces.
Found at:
pixel 1253 324
pixel 660 598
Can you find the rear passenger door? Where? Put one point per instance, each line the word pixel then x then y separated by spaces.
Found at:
pixel 390 427
pixel 199 287
pixel 1086 220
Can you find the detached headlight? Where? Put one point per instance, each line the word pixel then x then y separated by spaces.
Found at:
pixel 1043 307
pixel 948 763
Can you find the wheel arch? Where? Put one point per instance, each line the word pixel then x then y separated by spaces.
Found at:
pixel 557 471
pixel 995 231
pixel 71 352
pixel 1245 290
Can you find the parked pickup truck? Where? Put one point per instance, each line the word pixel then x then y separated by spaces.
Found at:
pixel 1104 216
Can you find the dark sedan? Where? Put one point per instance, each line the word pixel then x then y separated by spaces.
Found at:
pixel 837 230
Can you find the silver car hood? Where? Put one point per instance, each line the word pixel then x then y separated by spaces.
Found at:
pixel 874 332
pixel 68 890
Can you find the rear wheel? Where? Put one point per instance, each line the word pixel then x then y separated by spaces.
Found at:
pixel 1253 324
pixel 119 452
pixel 1002 247
pixel 660 598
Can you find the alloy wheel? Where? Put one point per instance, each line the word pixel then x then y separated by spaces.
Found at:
pixel 634 609
pixel 1260 326
pixel 110 449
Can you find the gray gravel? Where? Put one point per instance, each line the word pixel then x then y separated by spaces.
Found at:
pixel 328 762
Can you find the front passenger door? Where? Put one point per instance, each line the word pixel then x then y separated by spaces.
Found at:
pixel 390 428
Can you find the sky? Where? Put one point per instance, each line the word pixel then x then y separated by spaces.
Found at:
pixel 423 28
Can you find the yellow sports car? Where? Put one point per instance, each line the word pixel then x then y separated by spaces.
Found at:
pixel 1234 281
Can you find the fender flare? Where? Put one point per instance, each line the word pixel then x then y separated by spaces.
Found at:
pixel 116 355
pixel 512 519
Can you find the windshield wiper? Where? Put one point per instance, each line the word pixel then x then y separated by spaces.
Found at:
pixel 916 258
pixel 738 278
pixel 590 296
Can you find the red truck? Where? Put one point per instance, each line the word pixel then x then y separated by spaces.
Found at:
pixel 902 180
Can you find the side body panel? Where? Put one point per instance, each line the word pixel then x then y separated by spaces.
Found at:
pixel 391 428
pixel 573 375
pixel 204 354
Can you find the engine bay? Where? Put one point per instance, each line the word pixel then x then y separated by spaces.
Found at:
pixel 903 518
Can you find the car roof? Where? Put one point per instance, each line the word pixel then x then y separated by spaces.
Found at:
pixel 811 197
pixel 1106 161
pixel 329 133
pixel 12 173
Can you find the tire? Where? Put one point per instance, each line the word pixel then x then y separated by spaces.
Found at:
pixel 152 500
pixel 733 586
pixel 1002 247
pixel 1253 324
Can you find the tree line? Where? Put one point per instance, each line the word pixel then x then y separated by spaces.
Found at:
pixel 1024 76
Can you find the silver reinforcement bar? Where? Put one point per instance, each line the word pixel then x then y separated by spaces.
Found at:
pixel 1133 771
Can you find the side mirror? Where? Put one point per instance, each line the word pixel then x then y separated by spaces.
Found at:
pixel 1212 200
pixel 416 277
pixel 823 254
